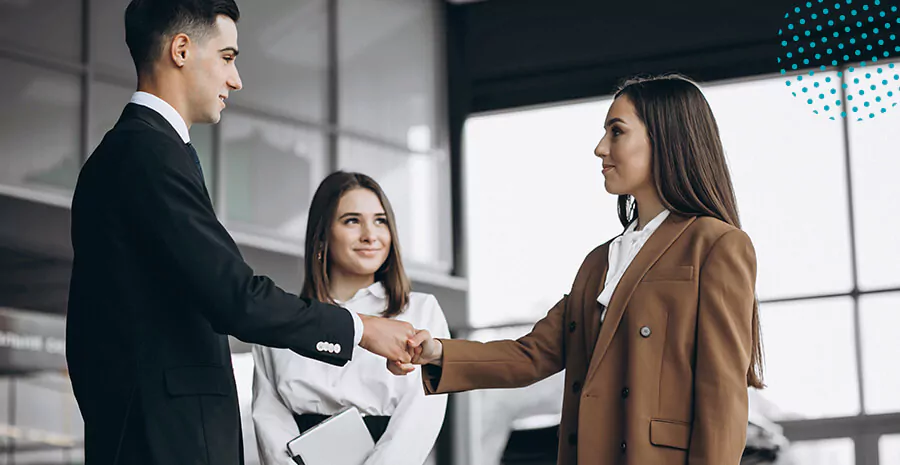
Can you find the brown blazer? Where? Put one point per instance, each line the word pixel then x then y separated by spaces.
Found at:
pixel 664 380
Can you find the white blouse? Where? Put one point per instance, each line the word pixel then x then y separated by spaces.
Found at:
pixel 622 251
pixel 285 384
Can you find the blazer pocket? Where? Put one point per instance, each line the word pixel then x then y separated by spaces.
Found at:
pixel 670 433
pixel 672 273
pixel 198 380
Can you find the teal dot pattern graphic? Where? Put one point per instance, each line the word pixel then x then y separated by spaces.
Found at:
pixel 857 37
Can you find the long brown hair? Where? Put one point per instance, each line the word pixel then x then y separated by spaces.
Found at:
pixel 688 165
pixel 321 218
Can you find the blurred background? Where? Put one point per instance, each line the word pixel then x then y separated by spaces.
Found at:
pixel 479 119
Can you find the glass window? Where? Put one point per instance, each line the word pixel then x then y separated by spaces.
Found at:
pixel 501 412
pixel 271 171
pixel 42 424
pixel 873 147
pixel 46 27
pixel 202 140
pixel 24 456
pixel 534 196
pixel 39 138
pixel 74 455
pixel 889 449
pixel 810 361
pixel 389 70
pixel 283 58
pixel 798 222
pixel 5 382
pixel 108 49
pixel 824 452
pixel 418 186
pixel 879 320
pixel 47 416
pixel 108 102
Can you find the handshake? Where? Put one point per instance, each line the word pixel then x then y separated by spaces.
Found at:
pixel 400 343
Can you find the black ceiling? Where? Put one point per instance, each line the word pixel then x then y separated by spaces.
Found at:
pixel 509 53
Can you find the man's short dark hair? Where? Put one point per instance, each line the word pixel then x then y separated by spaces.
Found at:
pixel 151 23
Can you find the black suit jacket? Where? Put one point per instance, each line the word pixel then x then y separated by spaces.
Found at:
pixel 157 284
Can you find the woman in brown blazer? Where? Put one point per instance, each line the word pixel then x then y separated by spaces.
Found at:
pixel 659 335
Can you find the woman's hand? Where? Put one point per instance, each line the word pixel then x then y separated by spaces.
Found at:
pixel 424 349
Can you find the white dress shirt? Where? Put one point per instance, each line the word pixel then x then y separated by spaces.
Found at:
pixel 285 384
pixel 163 108
pixel 622 251
pixel 177 122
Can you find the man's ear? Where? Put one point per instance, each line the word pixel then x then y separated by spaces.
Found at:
pixel 179 47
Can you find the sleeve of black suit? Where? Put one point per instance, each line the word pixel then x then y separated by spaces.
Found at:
pixel 174 216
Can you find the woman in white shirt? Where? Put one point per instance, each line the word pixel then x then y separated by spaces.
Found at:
pixel 352 259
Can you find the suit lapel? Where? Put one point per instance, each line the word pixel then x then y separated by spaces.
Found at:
pixel 133 111
pixel 656 245
pixel 156 121
pixel 591 317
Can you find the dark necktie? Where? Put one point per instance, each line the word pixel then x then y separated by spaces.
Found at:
pixel 193 151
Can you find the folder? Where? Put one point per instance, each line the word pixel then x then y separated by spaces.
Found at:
pixel 342 439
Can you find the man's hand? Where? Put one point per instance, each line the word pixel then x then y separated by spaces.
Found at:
pixel 387 338
pixel 400 369
pixel 425 349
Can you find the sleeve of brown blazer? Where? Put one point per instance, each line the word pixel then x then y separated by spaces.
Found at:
pixel 471 365
pixel 724 329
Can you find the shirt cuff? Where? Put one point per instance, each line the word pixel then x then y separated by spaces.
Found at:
pixel 357 327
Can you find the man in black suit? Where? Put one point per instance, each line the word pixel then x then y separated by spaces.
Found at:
pixel 157 282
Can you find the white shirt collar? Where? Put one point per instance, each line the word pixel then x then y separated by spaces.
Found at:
pixel 622 251
pixel 376 289
pixel 163 108
pixel 649 227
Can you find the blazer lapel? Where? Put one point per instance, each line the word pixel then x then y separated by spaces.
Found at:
pixel 156 121
pixel 591 316
pixel 656 245
pixel 133 111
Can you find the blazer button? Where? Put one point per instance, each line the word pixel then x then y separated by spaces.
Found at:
pixel 320 346
pixel 625 392
pixel 576 387
pixel 645 331
pixel 573 439
pixel 337 348
pixel 572 327
pixel 624 446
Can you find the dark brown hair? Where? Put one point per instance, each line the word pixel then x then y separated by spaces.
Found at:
pixel 688 165
pixel 321 218
pixel 150 23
